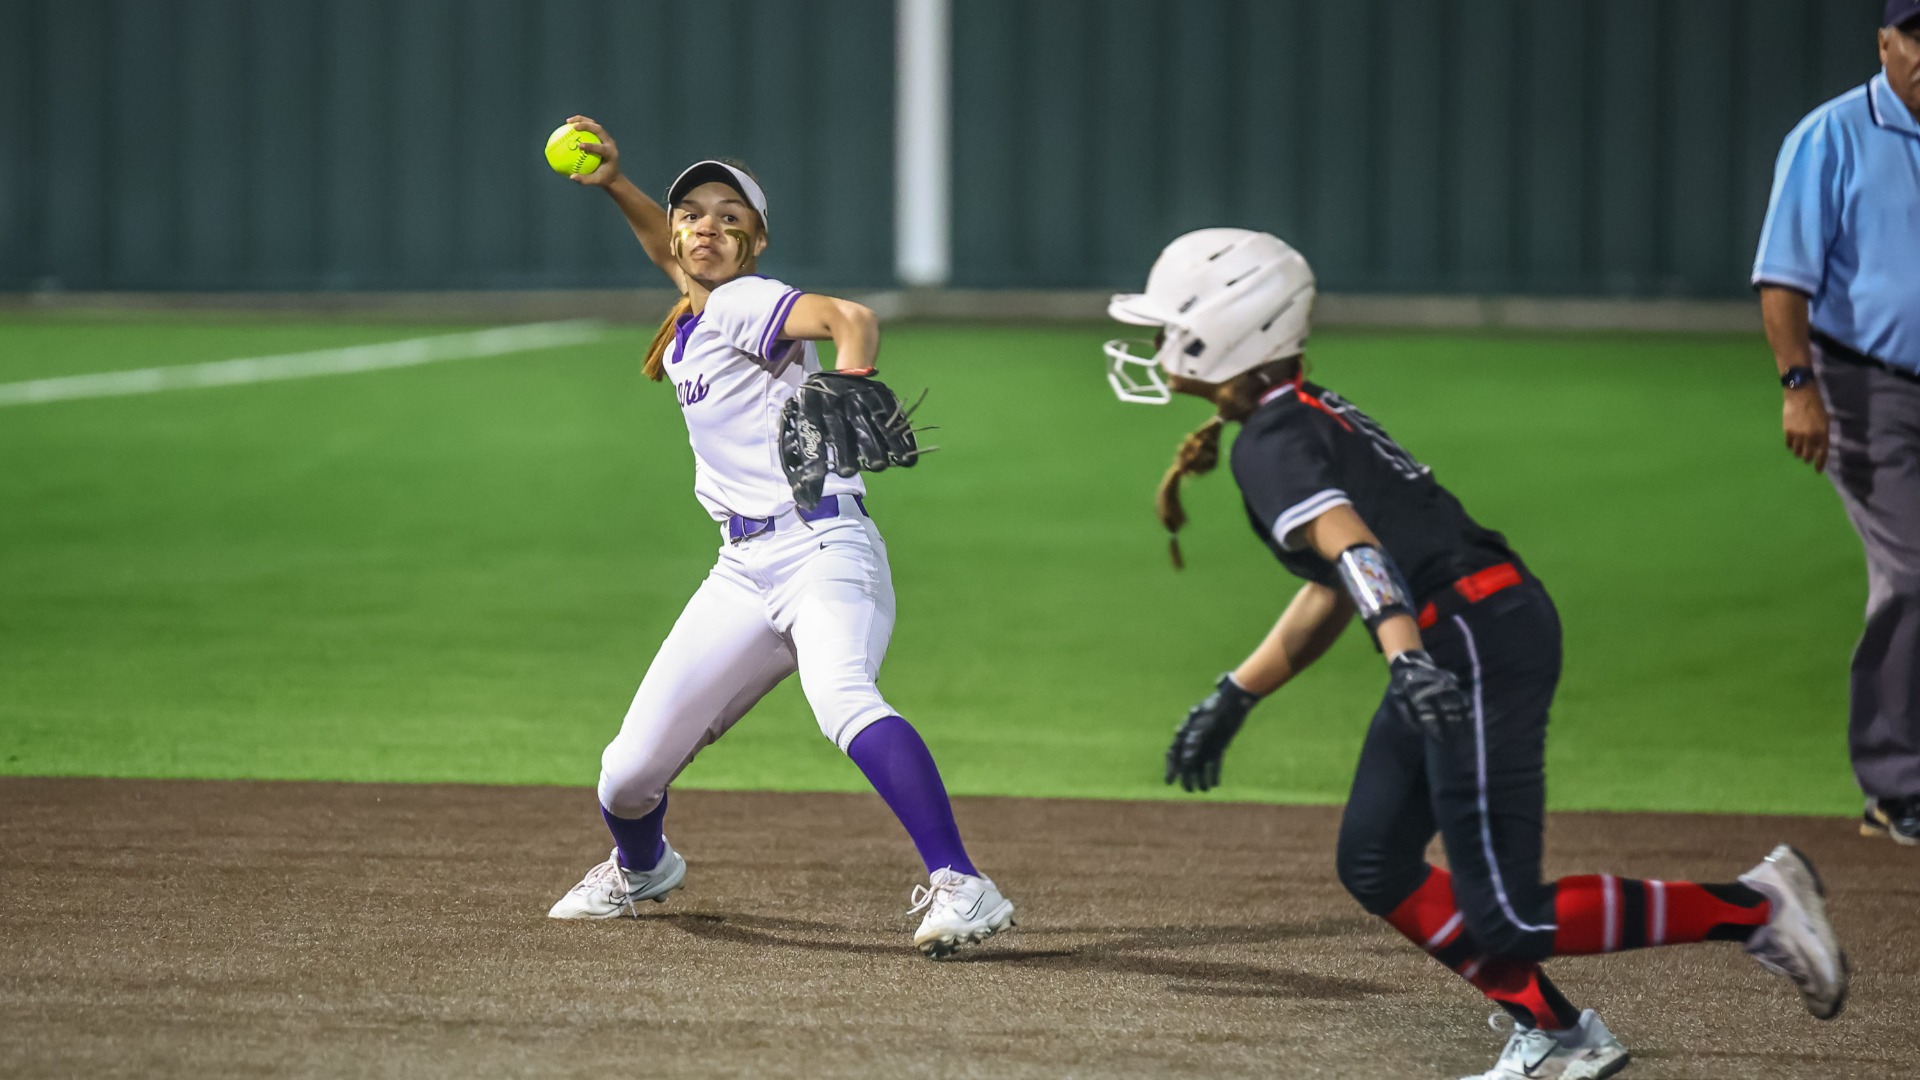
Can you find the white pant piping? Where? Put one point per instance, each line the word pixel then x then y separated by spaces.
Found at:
pixel 1610 902
pixel 1486 815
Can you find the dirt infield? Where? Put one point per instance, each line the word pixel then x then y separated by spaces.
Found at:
pixel 188 929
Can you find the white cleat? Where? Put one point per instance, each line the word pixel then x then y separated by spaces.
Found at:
pixel 1798 942
pixel 611 890
pixel 1586 1051
pixel 961 909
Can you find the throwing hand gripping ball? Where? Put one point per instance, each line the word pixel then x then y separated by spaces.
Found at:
pixel 566 153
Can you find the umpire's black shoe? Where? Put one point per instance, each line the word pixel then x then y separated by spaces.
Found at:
pixel 1897 819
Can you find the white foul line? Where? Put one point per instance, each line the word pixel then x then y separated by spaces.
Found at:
pixel 256 369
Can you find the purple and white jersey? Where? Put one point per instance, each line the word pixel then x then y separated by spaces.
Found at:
pixel 732 372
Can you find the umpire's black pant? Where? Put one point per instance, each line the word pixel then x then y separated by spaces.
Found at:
pixel 1483 791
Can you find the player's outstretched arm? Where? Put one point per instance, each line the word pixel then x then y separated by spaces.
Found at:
pixel 646 218
pixel 1308 627
pixel 853 328
pixel 1312 622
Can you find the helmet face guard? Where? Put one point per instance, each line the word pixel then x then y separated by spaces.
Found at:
pixel 1139 377
pixel 1148 387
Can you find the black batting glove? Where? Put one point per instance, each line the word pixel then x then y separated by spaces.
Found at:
pixel 1429 696
pixel 1194 757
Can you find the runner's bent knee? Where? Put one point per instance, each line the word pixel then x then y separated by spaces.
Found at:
pixel 1374 877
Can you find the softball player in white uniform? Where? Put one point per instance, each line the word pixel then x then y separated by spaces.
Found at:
pixel 792 591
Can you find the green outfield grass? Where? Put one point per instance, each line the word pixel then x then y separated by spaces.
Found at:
pixel 459 572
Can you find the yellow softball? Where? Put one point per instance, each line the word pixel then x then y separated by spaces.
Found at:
pixel 565 153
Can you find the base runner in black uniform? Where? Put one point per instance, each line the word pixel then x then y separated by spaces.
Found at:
pixel 1472 645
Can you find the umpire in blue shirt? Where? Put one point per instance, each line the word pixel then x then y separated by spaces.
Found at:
pixel 1839 279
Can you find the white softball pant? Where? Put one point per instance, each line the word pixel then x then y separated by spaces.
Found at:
pixel 816 598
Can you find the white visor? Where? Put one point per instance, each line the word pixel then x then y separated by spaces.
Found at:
pixel 706 172
pixel 1137 309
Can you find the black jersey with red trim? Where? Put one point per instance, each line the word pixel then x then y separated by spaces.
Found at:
pixel 1307 450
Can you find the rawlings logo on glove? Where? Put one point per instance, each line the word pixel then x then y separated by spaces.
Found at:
pixel 846 424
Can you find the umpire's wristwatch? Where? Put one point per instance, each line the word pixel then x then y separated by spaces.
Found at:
pixel 1794 378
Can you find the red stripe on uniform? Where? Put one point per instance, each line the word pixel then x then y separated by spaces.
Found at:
pixel 1477 587
pixel 1322 406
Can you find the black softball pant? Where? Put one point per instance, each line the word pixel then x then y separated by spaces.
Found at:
pixel 1483 791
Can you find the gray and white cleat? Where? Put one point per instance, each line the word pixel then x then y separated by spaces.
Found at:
pixel 1798 942
pixel 1586 1051
pixel 610 890
pixel 962 909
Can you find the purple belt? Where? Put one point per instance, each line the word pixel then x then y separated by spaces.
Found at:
pixel 746 528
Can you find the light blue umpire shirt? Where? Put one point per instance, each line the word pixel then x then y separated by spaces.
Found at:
pixel 1843 225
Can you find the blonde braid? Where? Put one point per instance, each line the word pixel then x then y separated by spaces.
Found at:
pixel 655 367
pixel 1199 453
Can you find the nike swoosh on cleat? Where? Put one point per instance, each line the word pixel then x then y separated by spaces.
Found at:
pixel 1543 1060
pixel 974 911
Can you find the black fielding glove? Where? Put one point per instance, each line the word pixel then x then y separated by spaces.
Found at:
pixel 844 423
pixel 1194 757
pixel 1429 696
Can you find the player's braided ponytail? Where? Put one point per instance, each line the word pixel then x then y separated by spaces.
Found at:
pixel 1197 455
pixel 656 366
pixel 1234 400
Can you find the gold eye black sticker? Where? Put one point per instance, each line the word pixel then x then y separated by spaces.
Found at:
pixel 746 243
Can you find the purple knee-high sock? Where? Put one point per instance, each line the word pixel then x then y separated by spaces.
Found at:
pixel 901 769
pixel 639 839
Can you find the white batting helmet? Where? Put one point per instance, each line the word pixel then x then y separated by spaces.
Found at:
pixel 1228 301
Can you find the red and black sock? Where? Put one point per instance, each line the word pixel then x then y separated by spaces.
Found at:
pixel 1600 913
pixel 1430 919
pixel 1527 995
pixel 1595 913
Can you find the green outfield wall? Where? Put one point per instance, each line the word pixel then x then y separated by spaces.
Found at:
pixel 1580 147
pixel 335 144
pixel 1598 147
